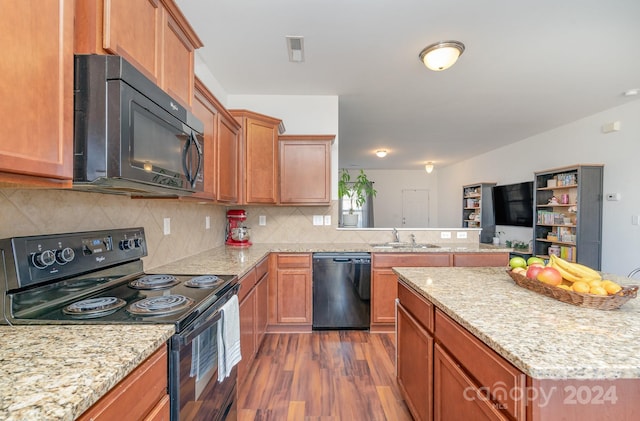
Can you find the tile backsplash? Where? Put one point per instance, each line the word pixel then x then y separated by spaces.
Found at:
pixel 32 212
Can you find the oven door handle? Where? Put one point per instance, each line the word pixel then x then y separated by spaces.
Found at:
pixel 188 337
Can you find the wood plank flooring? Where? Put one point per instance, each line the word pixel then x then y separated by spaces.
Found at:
pixel 323 376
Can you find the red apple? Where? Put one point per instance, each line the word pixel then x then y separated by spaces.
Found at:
pixel 534 270
pixel 550 276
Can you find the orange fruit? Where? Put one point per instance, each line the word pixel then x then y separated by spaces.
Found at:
pixel 598 290
pixel 580 286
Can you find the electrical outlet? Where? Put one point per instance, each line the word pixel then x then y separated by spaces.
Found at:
pixel 167 226
pixel 327 219
pixel 614 196
pixel 207 222
pixel 445 234
pixel 635 219
pixel 262 220
pixel 461 234
pixel 317 220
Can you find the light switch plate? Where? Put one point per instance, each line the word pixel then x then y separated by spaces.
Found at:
pixel 327 219
pixel 445 234
pixel 207 222
pixel 262 220
pixel 461 234
pixel 167 226
pixel 318 220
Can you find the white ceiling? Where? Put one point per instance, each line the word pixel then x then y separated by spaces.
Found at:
pixel 529 66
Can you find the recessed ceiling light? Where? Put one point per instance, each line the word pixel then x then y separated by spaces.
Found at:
pixel 381 153
pixel 429 167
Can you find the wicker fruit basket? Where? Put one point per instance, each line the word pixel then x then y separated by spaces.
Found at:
pixel 600 302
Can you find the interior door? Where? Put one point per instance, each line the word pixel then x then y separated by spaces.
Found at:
pixel 415 208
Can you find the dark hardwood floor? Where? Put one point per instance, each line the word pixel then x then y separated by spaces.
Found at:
pixel 323 375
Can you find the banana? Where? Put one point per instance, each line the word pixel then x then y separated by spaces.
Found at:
pixel 576 270
pixel 565 274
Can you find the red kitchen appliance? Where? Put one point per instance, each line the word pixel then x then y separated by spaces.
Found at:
pixel 237 232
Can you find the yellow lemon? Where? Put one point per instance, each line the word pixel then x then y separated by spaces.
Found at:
pixel 595 283
pixel 580 286
pixel 563 286
pixel 598 290
pixel 612 288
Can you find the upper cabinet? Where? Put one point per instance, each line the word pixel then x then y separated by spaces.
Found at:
pixel 205 107
pixel 153 35
pixel 477 209
pixel 37 91
pixel 259 157
pixel 568 222
pixel 305 169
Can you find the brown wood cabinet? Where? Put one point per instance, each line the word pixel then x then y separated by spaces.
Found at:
pixel 142 395
pixel 153 35
pixel 259 157
pixel 481 259
pixel 37 91
pixel 205 110
pixel 253 297
pixel 305 169
pixel 384 283
pixel 290 292
pixel 415 352
pixel 228 159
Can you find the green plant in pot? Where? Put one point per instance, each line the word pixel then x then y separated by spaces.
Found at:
pixel 357 192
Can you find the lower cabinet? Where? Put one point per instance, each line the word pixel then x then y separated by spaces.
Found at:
pixel 415 355
pixel 253 296
pixel 290 292
pixel 481 259
pixel 384 283
pixel 142 395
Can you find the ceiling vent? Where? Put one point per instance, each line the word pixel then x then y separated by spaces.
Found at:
pixel 295 46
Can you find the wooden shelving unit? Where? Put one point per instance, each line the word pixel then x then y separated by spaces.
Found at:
pixel 477 209
pixel 568 214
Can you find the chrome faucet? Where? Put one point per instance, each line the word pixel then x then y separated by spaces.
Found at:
pixel 413 239
pixel 396 235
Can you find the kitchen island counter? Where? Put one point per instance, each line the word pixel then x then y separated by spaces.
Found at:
pixel 58 372
pixel 543 337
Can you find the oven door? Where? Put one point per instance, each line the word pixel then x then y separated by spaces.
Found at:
pixel 194 389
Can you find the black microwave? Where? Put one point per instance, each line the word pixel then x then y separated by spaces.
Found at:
pixel 130 137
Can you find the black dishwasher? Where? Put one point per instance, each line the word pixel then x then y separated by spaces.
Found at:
pixel 341 291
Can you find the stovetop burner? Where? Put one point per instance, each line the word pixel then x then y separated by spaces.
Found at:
pixel 165 304
pixel 94 307
pixel 150 282
pixel 205 281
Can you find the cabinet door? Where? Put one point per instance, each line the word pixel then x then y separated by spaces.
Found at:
pixel 133 30
pixel 294 296
pixel 37 93
pixel 206 112
pixel 247 334
pixel 305 170
pixel 415 365
pixel 177 57
pixel 481 259
pixel 455 395
pixel 384 290
pixel 261 161
pixel 228 158
pixel 262 310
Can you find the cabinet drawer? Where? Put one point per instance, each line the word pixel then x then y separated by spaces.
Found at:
pixel 387 260
pixel 247 282
pixel 137 395
pixel 419 307
pixel 262 268
pixel 481 259
pixel 293 261
pixel 489 369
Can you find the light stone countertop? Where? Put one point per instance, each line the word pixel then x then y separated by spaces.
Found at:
pixel 58 372
pixel 543 337
pixel 227 260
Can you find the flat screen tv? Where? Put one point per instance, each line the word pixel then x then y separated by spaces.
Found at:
pixel 513 204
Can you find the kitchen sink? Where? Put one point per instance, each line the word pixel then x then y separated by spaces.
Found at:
pixel 394 245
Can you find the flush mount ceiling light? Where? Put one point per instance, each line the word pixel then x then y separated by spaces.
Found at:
pixel 429 167
pixel 381 153
pixel 441 55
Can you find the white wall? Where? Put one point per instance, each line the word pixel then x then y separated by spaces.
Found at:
pixel 581 142
pixel 387 205
pixel 301 114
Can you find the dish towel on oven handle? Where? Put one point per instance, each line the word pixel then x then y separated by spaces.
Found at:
pixel 229 338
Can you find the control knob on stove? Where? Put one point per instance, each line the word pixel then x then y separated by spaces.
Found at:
pixel 43 259
pixel 65 255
